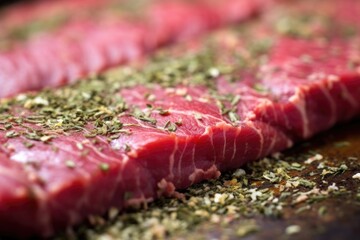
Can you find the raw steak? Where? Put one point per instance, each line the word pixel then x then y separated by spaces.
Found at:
pixel 136 133
pixel 16 16
pixel 85 46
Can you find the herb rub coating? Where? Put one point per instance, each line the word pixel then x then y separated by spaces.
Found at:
pixel 132 134
pixel 82 45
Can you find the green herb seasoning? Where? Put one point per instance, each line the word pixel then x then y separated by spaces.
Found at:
pixel 269 187
pixel 94 105
pixel 11 134
pixel 70 164
pixel 171 127
pixel 104 167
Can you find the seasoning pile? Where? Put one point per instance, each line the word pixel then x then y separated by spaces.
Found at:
pixel 303 192
pixel 123 138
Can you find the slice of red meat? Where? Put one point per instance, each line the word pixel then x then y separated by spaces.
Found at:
pixel 131 135
pixel 25 12
pixel 50 186
pixel 317 80
pixel 57 184
pixel 88 46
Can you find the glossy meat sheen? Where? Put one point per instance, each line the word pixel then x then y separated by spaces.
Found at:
pixel 308 84
pixel 321 77
pixel 49 196
pixel 88 46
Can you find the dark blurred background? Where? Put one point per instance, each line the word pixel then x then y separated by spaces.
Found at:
pixel 8 2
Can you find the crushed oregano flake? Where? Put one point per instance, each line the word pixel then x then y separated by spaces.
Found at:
pixel 104 167
pixel 70 164
pixel 12 134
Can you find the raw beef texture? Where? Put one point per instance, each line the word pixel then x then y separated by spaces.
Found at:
pixel 132 134
pixel 85 45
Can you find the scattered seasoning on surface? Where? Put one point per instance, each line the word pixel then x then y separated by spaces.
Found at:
pixel 104 167
pixel 163 112
pixel 94 107
pixel 322 211
pixel 70 164
pixel 266 188
pixel 239 173
pixel 127 148
pixel 292 229
pixel 356 176
pixel 171 127
pixel 198 116
pixel 28 144
pixel 7 126
pixel 46 138
pixel 12 134
pixel 234 117
pixel 247 227
pixel 150 97
pixel 179 122
pixel 259 88
pixel 341 144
